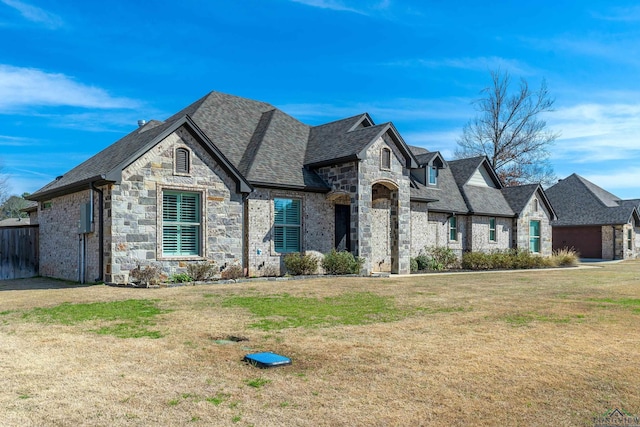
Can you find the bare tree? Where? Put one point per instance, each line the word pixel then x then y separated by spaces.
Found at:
pixel 510 131
pixel 4 186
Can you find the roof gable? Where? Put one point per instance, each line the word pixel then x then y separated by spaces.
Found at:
pixel 578 201
pixel 520 196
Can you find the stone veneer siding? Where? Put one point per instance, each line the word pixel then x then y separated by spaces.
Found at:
pixel 317 228
pixel 438 235
pixel 135 210
pixel 421 235
pixel 60 240
pixel 477 239
pixel 615 243
pixel 521 229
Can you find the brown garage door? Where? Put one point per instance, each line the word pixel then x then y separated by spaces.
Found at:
pixel 586 240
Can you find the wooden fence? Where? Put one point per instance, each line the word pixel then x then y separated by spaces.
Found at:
pixel 18 252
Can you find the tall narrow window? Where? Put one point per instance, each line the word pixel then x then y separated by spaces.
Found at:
pixel 629 237
pixel 287 225
pixel 453 228
pixel 182 160
pixel 492 229
pixel 534 237
pixel 535 205
pixel 180 223
pixel 385 158
pixel 433 175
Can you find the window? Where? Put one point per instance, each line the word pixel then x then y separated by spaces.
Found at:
pixel 453 228
pixel 182 161
pixel 180 223
pixel 492 229
pixel 535 205
pixel 534 237
pixel 286 228
pixel 629 236
pixel 433 175
pixel 385 159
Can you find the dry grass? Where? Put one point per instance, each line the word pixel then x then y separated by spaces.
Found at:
pixel 526 348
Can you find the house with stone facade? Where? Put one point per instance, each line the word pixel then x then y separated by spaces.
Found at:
pixel 238 182
pixel 593 221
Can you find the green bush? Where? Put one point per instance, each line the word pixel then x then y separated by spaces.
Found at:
pixel 201 271
pixel 476 261
pixel 298 264
pixel 181 278
pixel 441 258
pixel 342 262
pixel 423 262
pixel 413 264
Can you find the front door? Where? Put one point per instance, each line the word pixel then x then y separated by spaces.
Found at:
pixel 343 225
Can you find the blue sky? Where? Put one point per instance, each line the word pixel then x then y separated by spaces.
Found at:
pixel 76 76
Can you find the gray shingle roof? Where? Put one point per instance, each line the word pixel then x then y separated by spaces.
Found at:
pixel 518 196
pixel 446 195
pixel 258 143
pixel 480 200
pixel 578 202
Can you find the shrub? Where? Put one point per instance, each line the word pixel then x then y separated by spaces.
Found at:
pixel 413 265
pixel 476 261
pixel 181 278
pixel 298 264
pixel 148 275
pixel 232 272
pixel 441 258
pixel 423 262
pixel 270 270
pixel 202 270
pixel 566 257
pixel 342 262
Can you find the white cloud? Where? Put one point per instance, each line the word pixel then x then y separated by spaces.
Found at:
pixel 15 141
pixel 481 63
pixel 342 6
pixel 35 14
pixel 623 14
pixel 596 132
pixel 30 87
pixel 393 110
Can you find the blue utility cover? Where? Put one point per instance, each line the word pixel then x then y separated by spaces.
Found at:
pixel 267 360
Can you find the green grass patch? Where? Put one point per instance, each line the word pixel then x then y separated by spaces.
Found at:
pixel 131 318
pixel 257 382
pixel 286 311
pixel 524 319
pixel 632 303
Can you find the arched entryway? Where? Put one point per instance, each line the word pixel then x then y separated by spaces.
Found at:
pixel 384 227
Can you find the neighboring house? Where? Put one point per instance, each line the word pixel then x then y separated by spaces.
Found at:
pixel 238 181
pixel 593 221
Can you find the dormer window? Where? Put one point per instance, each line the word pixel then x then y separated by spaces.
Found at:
pixel 433 175
pixel 182 161
pixel 385 159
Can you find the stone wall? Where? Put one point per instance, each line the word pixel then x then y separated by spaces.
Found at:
pixel 422 234
pixel 521 228
pixel 478 234
pixel 317 228
pixel 439 232
pixel 396 178
pixel 60 241
pixel 136 210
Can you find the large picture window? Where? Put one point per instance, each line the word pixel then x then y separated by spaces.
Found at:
pixel 180 223
pixel 287 221
pixel 534 237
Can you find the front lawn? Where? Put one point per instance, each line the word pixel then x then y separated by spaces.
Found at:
pixel 554 347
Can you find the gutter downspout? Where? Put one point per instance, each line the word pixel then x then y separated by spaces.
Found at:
pixel 101 231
